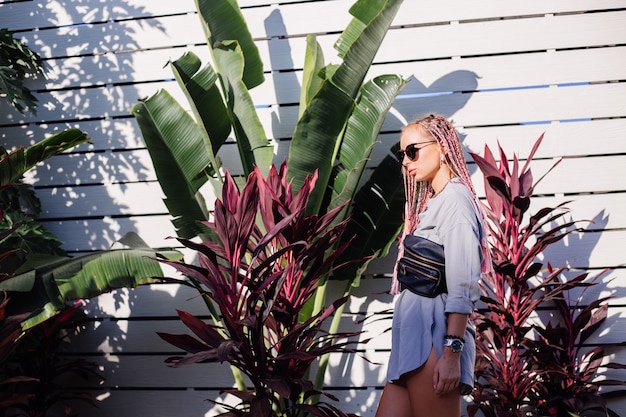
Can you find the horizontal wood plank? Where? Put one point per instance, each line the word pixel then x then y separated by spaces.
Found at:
pixel 425 77
pixel 161 300
pixel 371 297
pixel 145 198
pixel 167 403
pixel 102 234
pixel 592 249
pixel 410 13
pixel 455 40
pixel 138 334
pixel 587 250
pixel 152 371
pixel 570 176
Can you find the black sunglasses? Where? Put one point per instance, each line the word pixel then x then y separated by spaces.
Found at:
pixel 411 151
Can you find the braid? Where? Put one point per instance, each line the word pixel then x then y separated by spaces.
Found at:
pixel 442 131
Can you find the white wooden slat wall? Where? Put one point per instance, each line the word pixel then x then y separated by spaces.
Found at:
pixel 505 72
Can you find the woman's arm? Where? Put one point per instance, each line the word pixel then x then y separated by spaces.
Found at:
pixel 447 374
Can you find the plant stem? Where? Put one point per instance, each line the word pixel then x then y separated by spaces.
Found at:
pixel 334 326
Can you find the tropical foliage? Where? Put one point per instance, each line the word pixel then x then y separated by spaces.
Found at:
pixel 339 124
pixel 527 364
pixel 38 279
pixel 34 376
pixel 341 115
pixel 41 282
pixel 261 275
pixel 10 330
pixel 17 63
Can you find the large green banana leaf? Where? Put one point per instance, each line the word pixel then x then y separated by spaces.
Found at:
pixel 200 88
pixel 360 41
pixel 315 140
pixel 375 219
pixel 16 163
pixel 45 290
pixel 184 148
pixel 311 79
pixel 179 154
pixel 361 134
pixel 223 21
pixel 374 213
pixel 237 61
pixel 254 147
pixel 317 136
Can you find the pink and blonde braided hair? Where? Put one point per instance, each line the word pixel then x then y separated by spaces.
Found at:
pixel 418 194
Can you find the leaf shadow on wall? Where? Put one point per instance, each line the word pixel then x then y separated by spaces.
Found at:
pixel 97 66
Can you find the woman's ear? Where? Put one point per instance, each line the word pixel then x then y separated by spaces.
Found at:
pixel 442 156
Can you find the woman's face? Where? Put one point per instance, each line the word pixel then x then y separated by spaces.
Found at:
pixel 426 163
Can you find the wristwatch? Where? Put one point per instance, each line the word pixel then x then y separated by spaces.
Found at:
pixel 454 343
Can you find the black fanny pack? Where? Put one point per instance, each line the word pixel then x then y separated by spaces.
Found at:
pixel 422 267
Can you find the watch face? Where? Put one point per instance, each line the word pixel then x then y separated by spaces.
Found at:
pixel 456 345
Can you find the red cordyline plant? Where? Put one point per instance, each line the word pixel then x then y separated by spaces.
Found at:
pixel 260 273
pixel 528 365
pixel 10 331
pixel 41 372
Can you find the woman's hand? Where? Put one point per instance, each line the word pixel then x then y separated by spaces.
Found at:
pixel 447 375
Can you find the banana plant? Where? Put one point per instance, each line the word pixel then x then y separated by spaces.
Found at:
pixel 340 118
pixel 184 166
pixel 40 285
pixel 339 123
pixel 15 163
pixel 336 134
pixel 44 290
pixel 37 287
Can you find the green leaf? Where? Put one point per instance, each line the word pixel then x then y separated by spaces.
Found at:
pixel 200 88
pixel 237 61
pixel 361 133
pixel 317 136
pixel 311 79
pixel 222 21
pixel 359 42
pixel 86 277
pixel 376 218
pixel 95 274
pixel 20 283
pixel 16 163
pixel 254 147
pixel 177 162
pixel 17 62
pixel 384 188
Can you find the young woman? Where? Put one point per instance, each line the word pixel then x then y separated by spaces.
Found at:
pixel 433 342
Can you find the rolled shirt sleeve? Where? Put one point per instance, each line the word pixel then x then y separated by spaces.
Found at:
pixel 461 243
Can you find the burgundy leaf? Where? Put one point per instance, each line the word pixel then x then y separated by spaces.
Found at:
pixel 199 357
pixel 593 321
pixel 531 155
pixel 538 361
pixel 280 385
pixel 207 333
pixel 184 342
pixel 268 260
